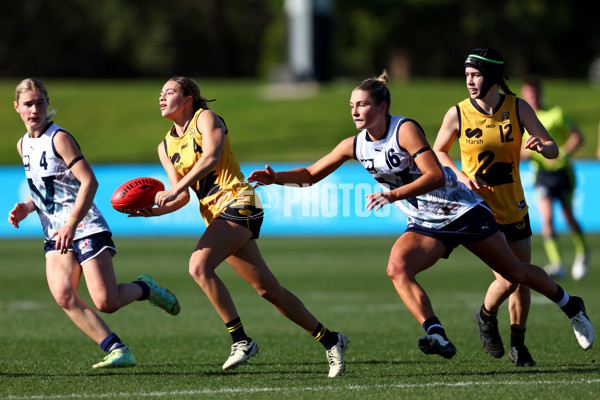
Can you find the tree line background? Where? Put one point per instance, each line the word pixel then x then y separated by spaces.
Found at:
pixel 248 38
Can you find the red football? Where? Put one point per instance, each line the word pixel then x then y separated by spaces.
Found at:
pixel 135 194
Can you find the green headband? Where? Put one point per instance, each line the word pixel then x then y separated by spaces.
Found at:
pixel 486 59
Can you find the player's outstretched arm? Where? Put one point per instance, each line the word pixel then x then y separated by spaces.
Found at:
pixel 309 175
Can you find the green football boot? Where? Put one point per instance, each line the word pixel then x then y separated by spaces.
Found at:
pixel 118 358
pixel 160 296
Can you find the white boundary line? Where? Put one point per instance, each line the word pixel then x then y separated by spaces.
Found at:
pixel 299 389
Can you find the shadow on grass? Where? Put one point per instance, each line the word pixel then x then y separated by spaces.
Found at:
pixel 314 368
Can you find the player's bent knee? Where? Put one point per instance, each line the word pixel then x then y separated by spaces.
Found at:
pixel 512 280
pixel 106 305
pixel 197 271
pixel 398 271
pixel 66 300
pixel 107 308
pixel 507 286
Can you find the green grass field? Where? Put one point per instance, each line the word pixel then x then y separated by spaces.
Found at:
pixel 119 121
pixel 342 280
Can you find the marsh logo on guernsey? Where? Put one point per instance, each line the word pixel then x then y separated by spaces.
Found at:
pixel 474 136
pixel 85 246
pixel 473 133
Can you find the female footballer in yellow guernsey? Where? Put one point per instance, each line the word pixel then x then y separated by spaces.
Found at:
pixel 489 127
pixel 196 153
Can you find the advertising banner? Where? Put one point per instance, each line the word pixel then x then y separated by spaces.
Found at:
pixel 334 206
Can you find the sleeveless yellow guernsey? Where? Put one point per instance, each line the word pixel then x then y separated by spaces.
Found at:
pixel 490 148
pixel 224 186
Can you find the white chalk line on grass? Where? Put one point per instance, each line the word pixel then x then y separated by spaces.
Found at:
pixel 298 389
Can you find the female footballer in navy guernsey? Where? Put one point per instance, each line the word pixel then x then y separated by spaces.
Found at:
pixel 442 212
pixel 77 238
